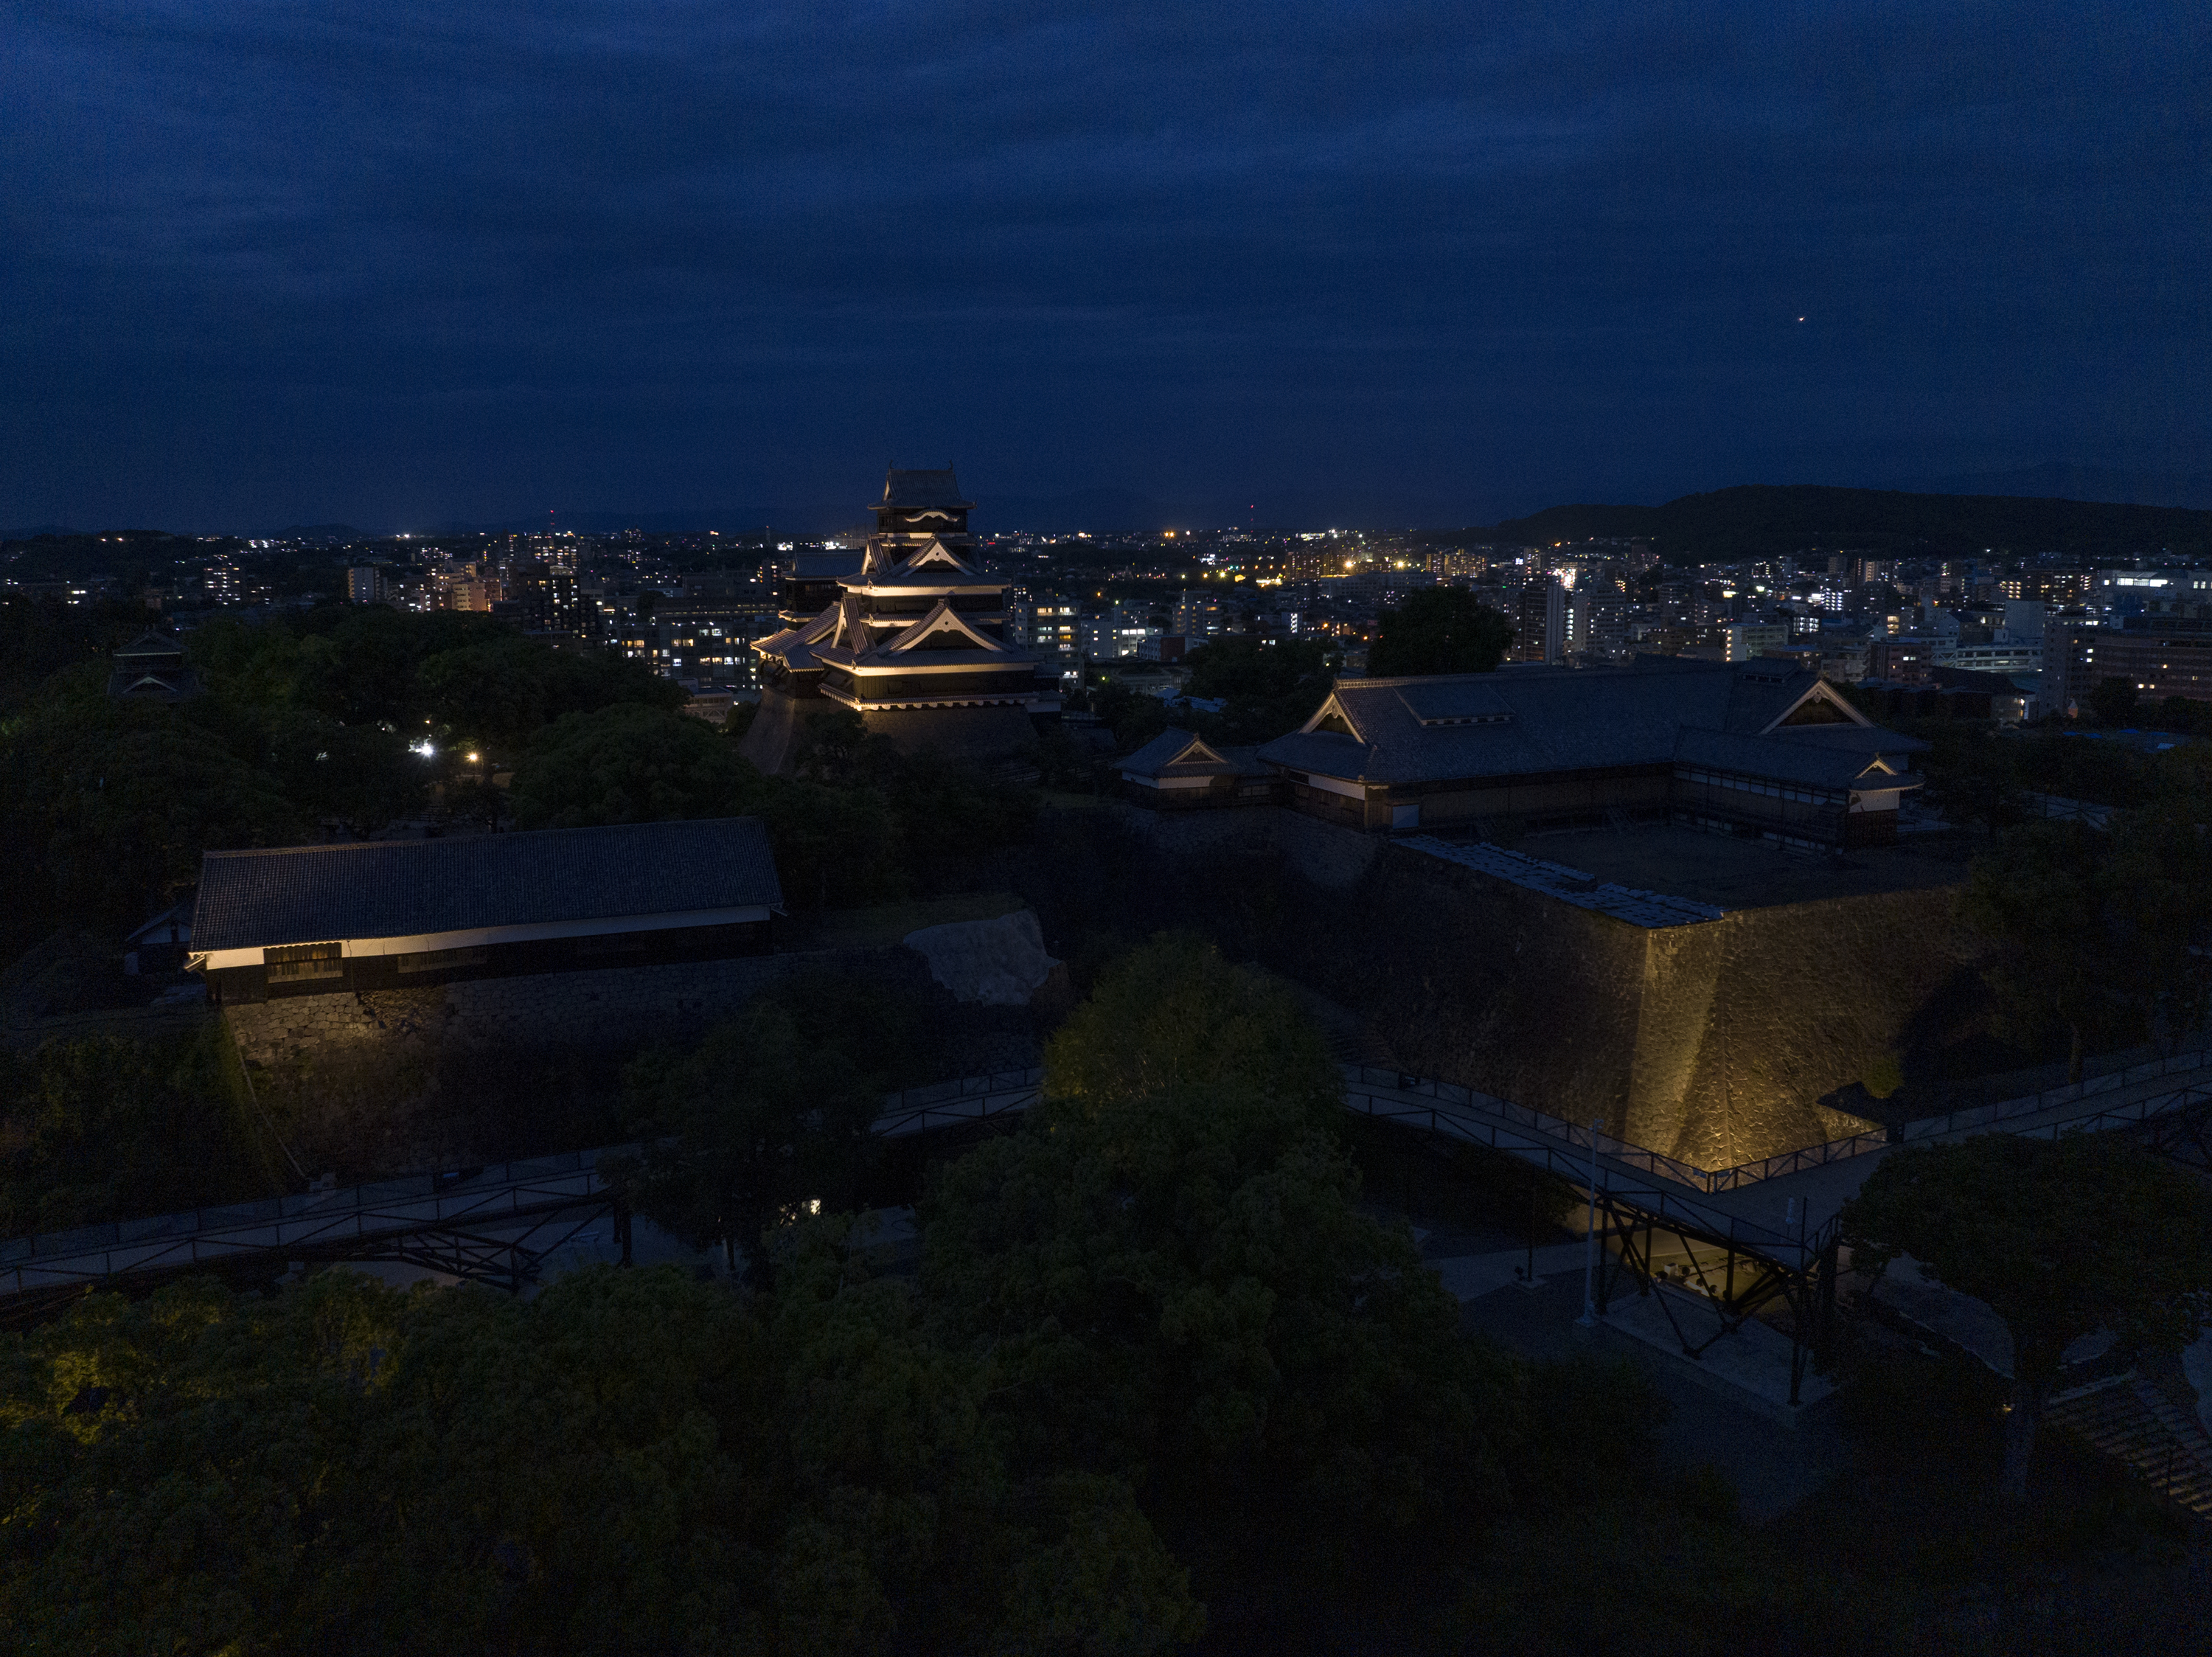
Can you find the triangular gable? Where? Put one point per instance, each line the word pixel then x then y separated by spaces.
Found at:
pixel 942 620
pixel 1331 716
pixel 1197 750
pixel 1829 701
pixel 937 556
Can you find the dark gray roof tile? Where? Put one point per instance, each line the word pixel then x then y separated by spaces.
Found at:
pixel 1531 723
pixel 911 488
pixel 405 888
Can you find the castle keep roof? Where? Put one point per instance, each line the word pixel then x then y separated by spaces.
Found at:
pixel 881 645
pixel 907 488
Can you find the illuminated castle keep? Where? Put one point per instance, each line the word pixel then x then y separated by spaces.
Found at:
pixel 913 642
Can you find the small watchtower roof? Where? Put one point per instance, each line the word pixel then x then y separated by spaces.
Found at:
pixel 924 489
pixel 150 647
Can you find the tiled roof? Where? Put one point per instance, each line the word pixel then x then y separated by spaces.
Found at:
pixel 1162 757
pixel 1570 886
pixel 1547 721
pixel 151 647
pixel 1780 758
pixel 405 888
pixel 908 488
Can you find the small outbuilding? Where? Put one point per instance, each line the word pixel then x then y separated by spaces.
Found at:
pixel 396 914
pixel 151 668
pixel 1179 770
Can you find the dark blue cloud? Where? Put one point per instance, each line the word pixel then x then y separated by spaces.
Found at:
pixel 400 263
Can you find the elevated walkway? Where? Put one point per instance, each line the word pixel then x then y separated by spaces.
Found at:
pixel 1735 1240
pixel 494 1224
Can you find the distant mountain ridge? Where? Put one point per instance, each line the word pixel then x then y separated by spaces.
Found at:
pixel 1758 520
pixel 2062 480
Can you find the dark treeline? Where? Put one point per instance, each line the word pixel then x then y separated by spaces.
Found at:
pixel 347 721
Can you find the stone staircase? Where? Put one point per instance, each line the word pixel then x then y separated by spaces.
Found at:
pixel 2131 1420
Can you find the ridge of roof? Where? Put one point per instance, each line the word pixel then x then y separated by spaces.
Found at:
pixel 266 896
pixel 917 486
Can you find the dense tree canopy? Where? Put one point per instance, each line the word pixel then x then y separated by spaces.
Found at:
pixel 1169 1270
pixel 633 1462
pixel 2099 929
pixel 626 764
pixel 767 1117
pixel 1271 686
pixel 1439 630
pixel 103 1129
pixel 2060 1238
pixel 303 726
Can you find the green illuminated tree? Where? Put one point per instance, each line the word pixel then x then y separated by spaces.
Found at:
pixel 2059 1238
pixel 631 1461
pixel 1174 1282
pixel 1440 629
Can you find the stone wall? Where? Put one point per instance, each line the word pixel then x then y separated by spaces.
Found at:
pixel 1713 1043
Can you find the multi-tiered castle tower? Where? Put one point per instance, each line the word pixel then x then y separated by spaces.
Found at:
pixel 914 642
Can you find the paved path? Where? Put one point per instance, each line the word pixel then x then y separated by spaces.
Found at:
pixel 1751 1364
pixel 1773 1465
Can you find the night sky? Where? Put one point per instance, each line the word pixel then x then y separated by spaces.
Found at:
pixel 401 264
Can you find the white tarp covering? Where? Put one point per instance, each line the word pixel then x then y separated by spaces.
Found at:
pixel 999 963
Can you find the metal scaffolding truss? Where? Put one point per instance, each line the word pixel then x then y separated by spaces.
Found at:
pixel 1747 1237
pixel 1734 1217
pixel 1740 1286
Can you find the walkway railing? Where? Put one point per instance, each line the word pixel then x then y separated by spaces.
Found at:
pixel 1710 1180
pixel 1571 1134
pixel 373 1216
pixel 1984 1116
pixel 313 1221
pixel 970 1099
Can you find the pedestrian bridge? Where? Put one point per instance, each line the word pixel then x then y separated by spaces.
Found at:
pixel 1744 1234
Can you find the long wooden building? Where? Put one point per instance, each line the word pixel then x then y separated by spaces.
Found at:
pixel 396 914
pixel 1755 748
